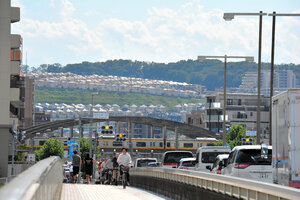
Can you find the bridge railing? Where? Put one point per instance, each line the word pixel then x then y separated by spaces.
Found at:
pixel 41 181
pixel 224 185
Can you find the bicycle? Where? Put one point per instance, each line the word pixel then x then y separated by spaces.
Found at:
pixel 125 170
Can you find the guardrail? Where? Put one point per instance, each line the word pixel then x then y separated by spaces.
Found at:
pixel 41 181
pixel 228 186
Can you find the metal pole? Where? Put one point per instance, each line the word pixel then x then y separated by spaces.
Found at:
pixel 13 154
pixel 258 81
pixel 80 132
pixel 90 131
pixel 224 106
pixel 176 138
pixel 272 76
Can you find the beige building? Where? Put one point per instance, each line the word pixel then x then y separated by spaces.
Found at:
pixel 241 109
pixel 10 80
pixel 196 118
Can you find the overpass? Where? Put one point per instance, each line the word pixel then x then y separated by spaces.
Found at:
pixel 44 181
pixel 185 129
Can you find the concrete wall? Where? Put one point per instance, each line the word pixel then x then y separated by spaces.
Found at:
pixel 18 168
pixel 175 190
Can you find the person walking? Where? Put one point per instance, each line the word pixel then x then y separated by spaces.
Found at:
pixel 88 163
pixel 76 162
pixel 115 166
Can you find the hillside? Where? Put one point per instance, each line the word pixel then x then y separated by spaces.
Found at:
pixel 208 73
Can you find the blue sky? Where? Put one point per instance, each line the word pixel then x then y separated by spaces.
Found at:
pixel 72 31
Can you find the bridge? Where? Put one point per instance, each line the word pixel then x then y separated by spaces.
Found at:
pixel 44 181
pixel 185 129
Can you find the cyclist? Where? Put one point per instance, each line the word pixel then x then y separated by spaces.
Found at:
pixel 124 160
pixel 115 166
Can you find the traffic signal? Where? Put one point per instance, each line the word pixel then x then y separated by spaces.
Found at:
pixel 121 137
pixel 107 130
pixel 25 156
pixel 247 141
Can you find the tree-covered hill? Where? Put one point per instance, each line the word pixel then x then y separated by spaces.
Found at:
pixel 208 73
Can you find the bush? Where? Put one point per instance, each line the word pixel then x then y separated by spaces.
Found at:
pixel 52 147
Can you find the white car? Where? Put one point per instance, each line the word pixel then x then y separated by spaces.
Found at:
pixel 206 156
pixel 250 162
pixel 220 164
pixel 187 163
pixel 143 162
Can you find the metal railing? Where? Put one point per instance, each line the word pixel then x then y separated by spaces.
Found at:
pixel 41 181
pixel 231 186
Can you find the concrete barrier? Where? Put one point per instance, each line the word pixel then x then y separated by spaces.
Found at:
pixel 187 184
pixel 41 181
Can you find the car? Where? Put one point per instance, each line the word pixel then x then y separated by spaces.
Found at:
pixel 250 162
pixel 187 163
pixel 143 162
pixel 171 158
pixel 219 164
pixel 206 156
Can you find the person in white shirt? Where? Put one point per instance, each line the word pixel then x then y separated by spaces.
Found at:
pixel 124 159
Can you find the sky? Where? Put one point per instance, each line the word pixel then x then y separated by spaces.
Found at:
pixel 73 31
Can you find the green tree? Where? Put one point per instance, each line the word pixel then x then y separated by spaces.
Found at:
pixel 52 147
pixel 235 135
pixel 20 154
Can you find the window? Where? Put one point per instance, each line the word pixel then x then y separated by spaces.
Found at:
pixel 253 157
pixel 240 102
pixel 231 157
pixel 189 163
pixel 117 143
pixel 144 162
pixel 251 114
pixel 160 144
pixel 42 142
pixel 141 144
pixel 188 145
pixel 209 157
pixel 175 157
pixel 229 101
pixel 168 144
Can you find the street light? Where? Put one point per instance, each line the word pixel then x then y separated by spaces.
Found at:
pixel 91 117
pixel 247 59
pixel 274 14
pixel 229 17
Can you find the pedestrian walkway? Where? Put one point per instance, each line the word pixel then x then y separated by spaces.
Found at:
pixel 107 192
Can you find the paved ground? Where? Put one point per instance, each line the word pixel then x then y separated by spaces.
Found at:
pixel 107 192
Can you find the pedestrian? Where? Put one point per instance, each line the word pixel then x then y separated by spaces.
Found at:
pixel 88 163
pixel 76 162
pixel 115 166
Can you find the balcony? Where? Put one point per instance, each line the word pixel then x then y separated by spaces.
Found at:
pixel 15 41
pixel 14 14
pixel 16 81
pixel 215 118
pixel 15 55
pixel 214 105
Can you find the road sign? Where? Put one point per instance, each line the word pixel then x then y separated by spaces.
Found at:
pixel 73 146
pixel 31 157
pixel 250 133
pixel 101 115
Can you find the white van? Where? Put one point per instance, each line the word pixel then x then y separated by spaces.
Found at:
pixel 171 159
pixel 250 162
pixel 206 156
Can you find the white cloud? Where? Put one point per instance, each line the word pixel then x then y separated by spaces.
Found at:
pixel 166 35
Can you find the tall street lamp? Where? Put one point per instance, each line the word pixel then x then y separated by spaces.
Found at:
pixel 274 14
pixel 229 17
pixel 247 59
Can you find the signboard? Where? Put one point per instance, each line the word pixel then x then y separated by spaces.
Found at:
pixel 101 115
pixel 73 146
pixel 250 133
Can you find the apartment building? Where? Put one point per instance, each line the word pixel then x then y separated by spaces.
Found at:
pixel 10 79
pixel 241 109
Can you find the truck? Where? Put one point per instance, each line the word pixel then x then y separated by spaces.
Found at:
pixel 286 138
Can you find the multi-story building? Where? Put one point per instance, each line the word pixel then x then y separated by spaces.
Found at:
pixel 10 79
pixel 196 118
pixel 240 109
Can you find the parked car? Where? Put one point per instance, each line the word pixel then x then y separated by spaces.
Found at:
pixel 219 164
pixel 171 158
pixel 205 156
pixel 250 162
pixel 143 162
pixel 187 163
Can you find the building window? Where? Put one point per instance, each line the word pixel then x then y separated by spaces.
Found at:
pixel 251 114
pixel 240 102
pixel 229 101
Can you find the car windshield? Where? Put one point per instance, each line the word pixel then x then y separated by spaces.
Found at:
pixel 210 157
pixel 190 163
pixel 144 163
pixel 175 157
pixel 253 157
